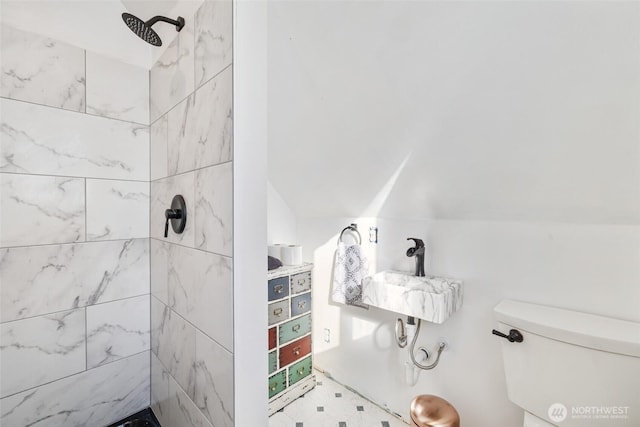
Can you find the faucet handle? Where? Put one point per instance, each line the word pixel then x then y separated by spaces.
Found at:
pixel 418 242
pixel 418 245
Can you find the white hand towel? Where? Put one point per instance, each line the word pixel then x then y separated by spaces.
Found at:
pixel 350 266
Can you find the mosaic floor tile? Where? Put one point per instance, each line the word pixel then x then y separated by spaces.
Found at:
pixel 330 404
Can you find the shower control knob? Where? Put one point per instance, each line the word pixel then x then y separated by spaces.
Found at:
pixel 177 215
pixel 514 335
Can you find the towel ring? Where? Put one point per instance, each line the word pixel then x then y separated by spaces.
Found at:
pixel 352 228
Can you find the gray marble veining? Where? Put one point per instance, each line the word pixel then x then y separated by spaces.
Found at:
pixel 42 140
pixel 171 79
pixel 182 411
pixel 200 129
pixel 429 298
pixel 97 397
pixel 158 147
pixel 214 381
pixel 52 73
pixel 213 47
pixel 41 209
pixel 74 166
pixel 45 279
pixel 51 346
pixel 159 390
pixel 117 329
pixel 214 209
pixel 117 209
pixel 117 90
pixel 173 340
pixel 194 276
pixel 159 262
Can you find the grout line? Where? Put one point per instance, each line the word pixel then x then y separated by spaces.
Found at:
pixel 75 374
pixel 195 83
pixel 172 107
pixel 222 70
pixel 85 81
pixel 86 213
pixel 73 177
pixel 166 146
pixel 233 217
pixel 224 347
pixel 74 111
pixel 86 340
pixel 151 331
pixel 79 242
pixel 50 313
pixel 161 240
pixel 191 170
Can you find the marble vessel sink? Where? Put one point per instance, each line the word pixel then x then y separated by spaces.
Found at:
pixel 429 298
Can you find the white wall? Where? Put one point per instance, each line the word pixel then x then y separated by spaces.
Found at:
pixel 468 110
pixel 504 134
pixel 250 210
pixel 592 268
pixel 281 220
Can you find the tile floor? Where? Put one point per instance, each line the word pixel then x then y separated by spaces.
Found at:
pixel 330 404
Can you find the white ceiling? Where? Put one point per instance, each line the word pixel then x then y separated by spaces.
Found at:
pixel 524 111
pixel 96 25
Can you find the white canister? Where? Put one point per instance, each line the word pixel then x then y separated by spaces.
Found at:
pixel 291 255
pixel 276 250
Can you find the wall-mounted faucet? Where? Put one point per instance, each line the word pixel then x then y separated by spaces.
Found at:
pixel 418 252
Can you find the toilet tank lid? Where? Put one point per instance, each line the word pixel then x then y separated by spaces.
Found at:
pixel 574 327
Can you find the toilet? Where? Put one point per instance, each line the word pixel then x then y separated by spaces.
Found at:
pixel 571 369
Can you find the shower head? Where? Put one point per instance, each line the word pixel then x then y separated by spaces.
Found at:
pixel 143 29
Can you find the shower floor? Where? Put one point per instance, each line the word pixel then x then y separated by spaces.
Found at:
pixel 330 404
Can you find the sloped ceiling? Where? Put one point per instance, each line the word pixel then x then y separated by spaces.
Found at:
pixel 462 110
pixel 96 25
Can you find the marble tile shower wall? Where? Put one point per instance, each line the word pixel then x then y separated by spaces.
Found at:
pixel 192 273
pixel 74 235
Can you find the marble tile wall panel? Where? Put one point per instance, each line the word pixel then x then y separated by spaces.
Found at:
pixel 45 279
pixel 159 390
pixel 182 411
pixel 117 329
pixel 200 288
pixel 214 209
pixel 173 340
pixel 159 277
pixel 117 90
pixel 214 381
pixel 200 129
pixel 159 326
pixel 158 147
pixel 162 192
pixel 51 346
pixel 41 210
pixel 117 209
pixel 52 73
pixel 42 140
pixel 171 79
pixel 213 49
pixel 98 397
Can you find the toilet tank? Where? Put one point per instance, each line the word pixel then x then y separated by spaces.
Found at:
pixel 572 369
